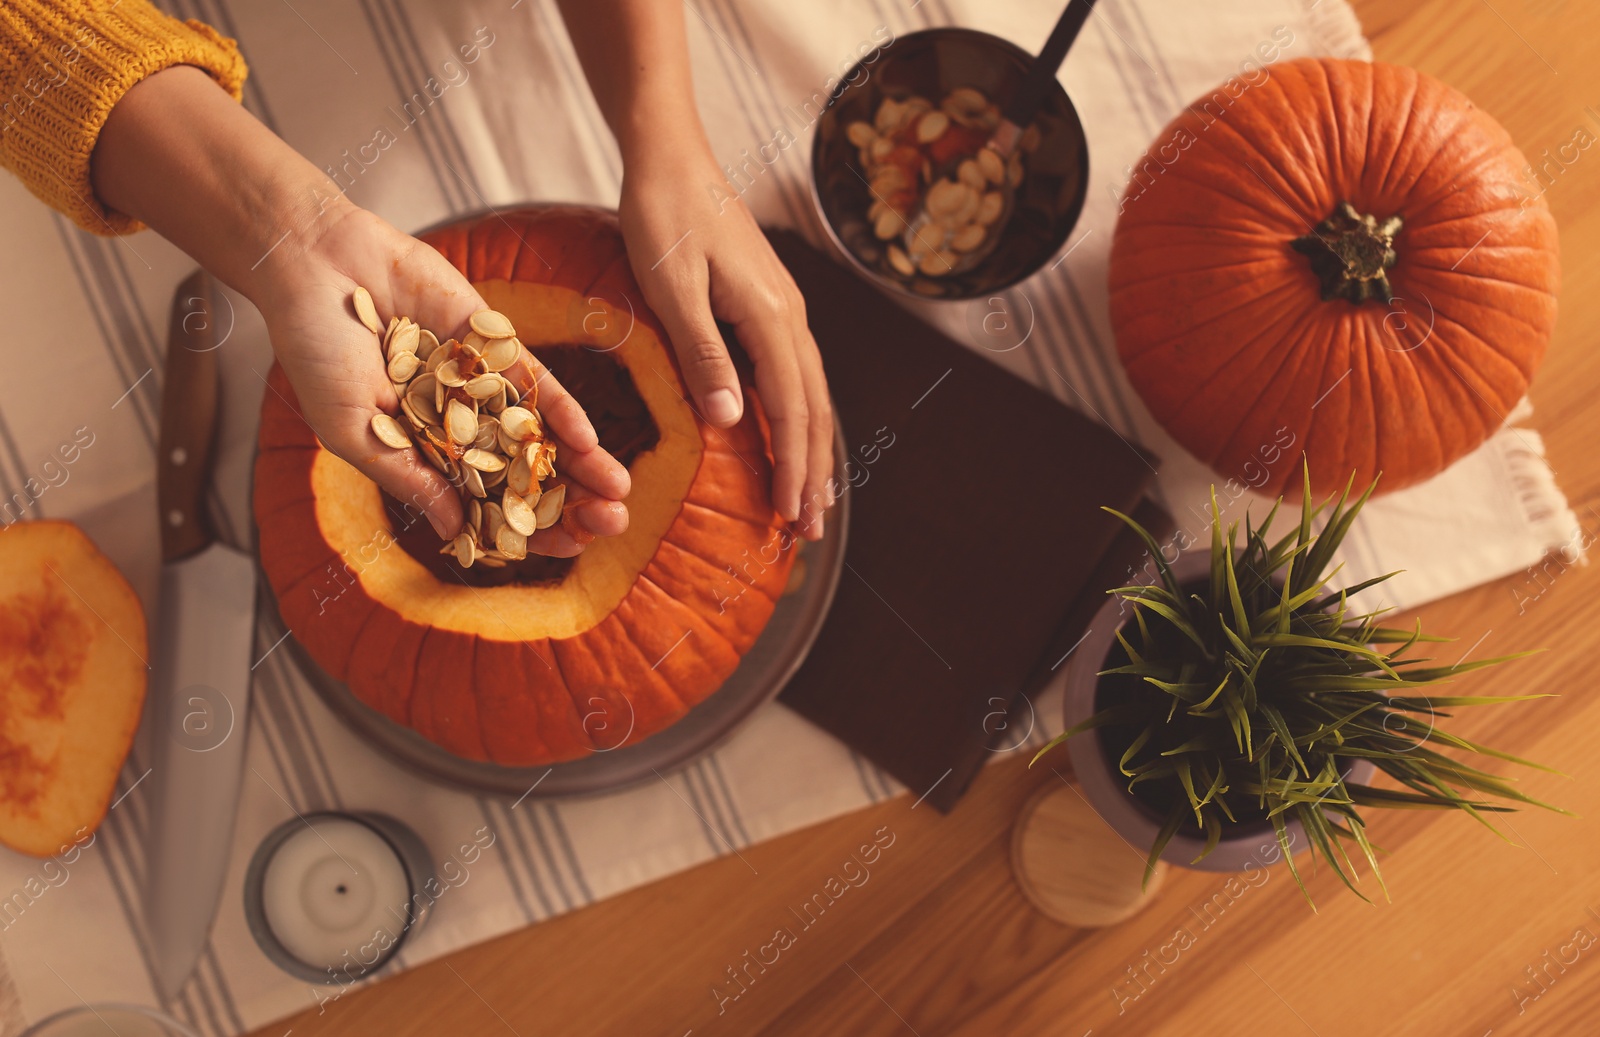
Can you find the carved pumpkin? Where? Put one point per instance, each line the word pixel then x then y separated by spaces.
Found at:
pixel 1344 257
pixel 546 660
pixel 72 684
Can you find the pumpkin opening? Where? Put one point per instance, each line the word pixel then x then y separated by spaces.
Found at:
pixel 624 426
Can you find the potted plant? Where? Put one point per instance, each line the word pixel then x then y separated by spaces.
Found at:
pixel 1239 699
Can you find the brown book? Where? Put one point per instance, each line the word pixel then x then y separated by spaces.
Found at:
pixel 975 529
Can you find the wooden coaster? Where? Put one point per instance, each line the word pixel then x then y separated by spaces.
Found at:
pixel 1072 865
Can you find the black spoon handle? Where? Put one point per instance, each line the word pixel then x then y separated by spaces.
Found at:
pixel 1025 105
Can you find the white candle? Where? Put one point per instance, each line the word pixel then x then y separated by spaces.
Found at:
pixel 333 887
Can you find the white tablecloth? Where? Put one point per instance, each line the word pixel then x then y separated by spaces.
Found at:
pixel 518 124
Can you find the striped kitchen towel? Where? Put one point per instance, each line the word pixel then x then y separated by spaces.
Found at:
pixel 517 123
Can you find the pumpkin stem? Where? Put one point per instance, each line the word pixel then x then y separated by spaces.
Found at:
pixel 1351 253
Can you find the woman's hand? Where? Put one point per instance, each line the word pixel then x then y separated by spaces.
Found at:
pixel 181 156
pixel 699 261
pixel 338 374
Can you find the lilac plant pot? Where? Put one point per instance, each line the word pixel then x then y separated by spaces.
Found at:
pixel 1243 846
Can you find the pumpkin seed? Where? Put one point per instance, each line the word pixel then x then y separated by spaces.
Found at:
pixel 518 423
pixel 402 366
pixel 461 422
pixel 511 543
pixel 423 407
pixel 518 513
pixel 411 413
pixel 489 561
pixel 404 339
pixel 968 207
pixel 890 179
pixel 519 475
pixel 472 344
pixel 492 324
pixel 860 134
pixel 449 373
pixel 937 263
pixel 493 519
pixel 989 208
pixel 484 386
pixel 493 479
pixel 548 510
pixel 945 197
pixel 966 100
pixel 427 342
pixel 366 311
pixel 991 165
pixel 972 174
pixel 431 452
pixel 483 460
pixel 475 514
pixel 473 481
pixel 465 548
pixel 488 437
pixel 389 431
pixel 888 118
pixel 501 353
pixel 932 126
pixel 900 261
pixel 969 237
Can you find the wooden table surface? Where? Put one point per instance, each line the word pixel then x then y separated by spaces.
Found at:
pixel 939 942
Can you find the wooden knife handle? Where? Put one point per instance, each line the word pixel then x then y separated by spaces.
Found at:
pixel 188 419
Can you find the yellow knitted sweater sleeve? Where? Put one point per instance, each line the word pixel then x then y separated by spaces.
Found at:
pixel 64 64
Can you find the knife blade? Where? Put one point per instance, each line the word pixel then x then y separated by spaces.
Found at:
pixel 200 690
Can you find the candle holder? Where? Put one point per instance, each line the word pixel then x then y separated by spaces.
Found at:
pixel 331 897
pixel 125 1020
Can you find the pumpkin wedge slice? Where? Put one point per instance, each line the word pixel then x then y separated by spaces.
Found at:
pixel 72 683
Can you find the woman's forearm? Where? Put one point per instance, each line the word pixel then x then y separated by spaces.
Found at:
pixel 635 54
pixel 180 155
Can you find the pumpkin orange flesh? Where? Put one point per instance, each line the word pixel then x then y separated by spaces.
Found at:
pixel 72 684
pixel 1221 324
pixel 638 630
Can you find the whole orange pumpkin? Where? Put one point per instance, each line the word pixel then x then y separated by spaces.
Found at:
pixel 1343 258
pixel 513 665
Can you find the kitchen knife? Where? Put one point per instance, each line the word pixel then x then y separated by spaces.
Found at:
pixel 199 693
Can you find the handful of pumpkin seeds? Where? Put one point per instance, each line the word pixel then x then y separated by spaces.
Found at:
pixel 474 426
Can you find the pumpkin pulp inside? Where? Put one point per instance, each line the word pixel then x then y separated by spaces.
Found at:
pixel 622 421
